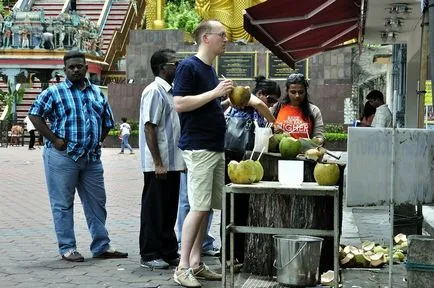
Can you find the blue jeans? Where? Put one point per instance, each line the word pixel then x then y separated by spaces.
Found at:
pixel 184 208
pixel 64 176
pixel 125 144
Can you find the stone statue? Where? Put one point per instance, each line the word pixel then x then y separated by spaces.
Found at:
pixel 78 40
pixel 46 38
pixel 42 15
pixel 25 38
pixel 7 32
pixel 75 19
pixel 229 13
pixel 61 36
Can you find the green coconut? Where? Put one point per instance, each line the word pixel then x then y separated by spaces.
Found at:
pixel 240 96
pixel 243 172
pixel 326 174
pixel 259 171
pixel 289 147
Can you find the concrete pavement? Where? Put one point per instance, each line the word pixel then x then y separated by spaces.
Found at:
pixel 28 249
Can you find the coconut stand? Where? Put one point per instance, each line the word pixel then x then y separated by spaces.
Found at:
pixel 289 211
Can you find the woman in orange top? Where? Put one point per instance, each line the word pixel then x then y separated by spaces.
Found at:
pixel 295 115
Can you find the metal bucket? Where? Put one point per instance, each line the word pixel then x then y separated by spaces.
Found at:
pixel 297 259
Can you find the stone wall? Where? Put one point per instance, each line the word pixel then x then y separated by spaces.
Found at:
pixel 329 72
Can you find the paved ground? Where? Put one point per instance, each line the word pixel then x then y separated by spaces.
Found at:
pixel 28 249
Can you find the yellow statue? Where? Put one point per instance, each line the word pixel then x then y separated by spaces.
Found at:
pixel 154 14
pixel 229 13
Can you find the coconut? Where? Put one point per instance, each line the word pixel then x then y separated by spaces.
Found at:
pixel 289 147
pixel 327 278
pixel 259 171
pixel 368 245
pixel 243 172
pixel 240 96
pixel 313 154
pixel 380 249
pixel 326 174
pixel 399 238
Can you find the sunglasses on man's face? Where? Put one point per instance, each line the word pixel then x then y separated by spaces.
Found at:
pixel 175 63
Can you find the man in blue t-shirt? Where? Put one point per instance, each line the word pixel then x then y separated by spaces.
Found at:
pixel 197 93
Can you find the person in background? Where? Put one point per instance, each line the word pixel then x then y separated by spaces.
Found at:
pixel 367 115
pixel 31 129
pixel 197 97
pixel 208 247
pixel 295 115
pixel 17 132
pixel 265 94
pixel 383 116
pixel 162 164
pixel 125 130
pixel 80 118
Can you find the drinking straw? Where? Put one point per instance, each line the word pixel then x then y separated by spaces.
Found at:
pixel 263 148
pixel 253 151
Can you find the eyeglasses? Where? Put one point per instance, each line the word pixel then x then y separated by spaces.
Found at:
pixel 221 34
pixel 296 77
pixel 172 63
pixel 271 99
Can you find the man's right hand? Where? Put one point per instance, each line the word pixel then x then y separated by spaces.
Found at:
pixel 224 88
pixel 160 172
pixel 60 144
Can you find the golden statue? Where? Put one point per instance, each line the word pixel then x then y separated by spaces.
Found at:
pixel 229 13
pixel 154 14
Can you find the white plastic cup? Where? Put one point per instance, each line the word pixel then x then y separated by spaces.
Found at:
pixel 262 138
pixel 290 172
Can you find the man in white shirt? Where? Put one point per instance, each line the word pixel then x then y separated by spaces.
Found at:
pixel 31 129
pixel 162 164
pixel 383 116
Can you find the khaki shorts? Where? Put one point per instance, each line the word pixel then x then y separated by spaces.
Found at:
pixel 206 178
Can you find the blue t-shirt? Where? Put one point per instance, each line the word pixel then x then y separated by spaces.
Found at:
pixel 205 127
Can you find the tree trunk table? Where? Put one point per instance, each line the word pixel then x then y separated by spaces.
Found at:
pixel 277 211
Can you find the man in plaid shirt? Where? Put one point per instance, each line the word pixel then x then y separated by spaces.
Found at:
pixel 80 118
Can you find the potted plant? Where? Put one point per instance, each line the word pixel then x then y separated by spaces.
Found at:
pixel 336 137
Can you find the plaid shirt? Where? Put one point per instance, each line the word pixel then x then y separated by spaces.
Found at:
pixel 76 116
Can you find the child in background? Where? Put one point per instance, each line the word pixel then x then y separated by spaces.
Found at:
pixel 125 135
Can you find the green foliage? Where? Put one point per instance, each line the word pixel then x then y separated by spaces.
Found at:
pixel 7 98
pixel 180 14
pixel 334 128
pixel 335 137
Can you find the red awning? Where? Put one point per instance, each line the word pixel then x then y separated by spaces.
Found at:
pixel 294 29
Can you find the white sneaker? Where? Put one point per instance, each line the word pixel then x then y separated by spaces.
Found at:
pixel 185 277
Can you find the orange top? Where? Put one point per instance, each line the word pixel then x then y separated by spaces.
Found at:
pixel 290 118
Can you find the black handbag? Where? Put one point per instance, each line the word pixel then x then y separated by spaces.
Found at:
pixel 240 134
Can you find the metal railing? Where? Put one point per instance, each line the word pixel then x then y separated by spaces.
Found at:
pixel 120 38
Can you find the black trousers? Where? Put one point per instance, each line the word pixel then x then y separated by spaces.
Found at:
pixel 159 209
pixel 241 211
pixel 32 138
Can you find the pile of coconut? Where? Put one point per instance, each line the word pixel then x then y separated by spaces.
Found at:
pixel 368 255
pixel 373 255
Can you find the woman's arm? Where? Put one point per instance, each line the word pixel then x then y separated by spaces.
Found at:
pixel 318 125
pixel 260 106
